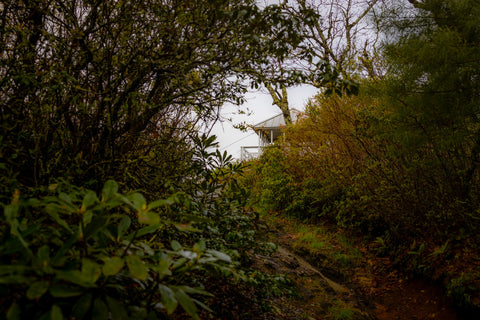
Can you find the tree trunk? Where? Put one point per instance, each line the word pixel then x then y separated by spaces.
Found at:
pixel 280 99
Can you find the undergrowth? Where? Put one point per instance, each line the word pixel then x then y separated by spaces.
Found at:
pixel 341 165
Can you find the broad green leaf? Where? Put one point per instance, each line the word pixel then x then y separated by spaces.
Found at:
pixel 56 313
pixel 90 199
pixel 138 200
pixel 146 248
pixel 85 278
pixel 43 256
pixel 186 302
pixel 191 290
pixel 91 270
pixel 126 200
pixel 14 312
pixel 112 266
pixel 66 198
pixel 37 289
pixel 87 217
pixel 201 304
pixel 124 224
pixel 176 245
pixel 74 276
pixel 163 267
pixel 117 310
pixel 168 298
pixel 160 203
pixel 136 267
pixel 14 279
pixel 63 291
pixel 110 188
pixel 188 254
pixel 180 262
pixel 9 269
pixel 148 217
pixel 82 306
pixel 98 224
pixel 54 215
pixel 148 229
pixel 10 211
pixel 100 310
pixel 14 226
pixel 60 255
pixel 220 255
pixel 186 227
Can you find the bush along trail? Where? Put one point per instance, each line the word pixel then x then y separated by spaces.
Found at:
pixel 69 252
pixel 357 163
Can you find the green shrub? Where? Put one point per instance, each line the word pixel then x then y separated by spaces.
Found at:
pixel 463 289
pixel 277 187
pixel 76 253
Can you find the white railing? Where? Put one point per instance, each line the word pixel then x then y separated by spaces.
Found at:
pixel 250 152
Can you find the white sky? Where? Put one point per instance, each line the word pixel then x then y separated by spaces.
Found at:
pixel 260 106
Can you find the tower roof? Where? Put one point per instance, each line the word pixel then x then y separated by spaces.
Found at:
pixel 276 121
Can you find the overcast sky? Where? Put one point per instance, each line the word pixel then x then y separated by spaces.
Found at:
pixel 260 106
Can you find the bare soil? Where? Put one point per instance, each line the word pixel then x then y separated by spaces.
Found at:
pixel 373 291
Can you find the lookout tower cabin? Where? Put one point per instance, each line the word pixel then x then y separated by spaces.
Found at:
pixel 268 131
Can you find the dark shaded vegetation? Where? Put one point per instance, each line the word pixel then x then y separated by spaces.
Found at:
pixel 115 204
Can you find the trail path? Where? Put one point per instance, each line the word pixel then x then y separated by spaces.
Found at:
pixel 376 292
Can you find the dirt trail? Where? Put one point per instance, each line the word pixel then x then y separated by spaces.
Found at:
pixel 338 288
pixel 370 293
pixel 414 299
pixel 395 298
pixel 317 293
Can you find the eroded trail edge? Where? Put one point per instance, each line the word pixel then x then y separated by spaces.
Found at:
pixel 367 287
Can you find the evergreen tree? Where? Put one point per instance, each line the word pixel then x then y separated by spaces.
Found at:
pixel 434 86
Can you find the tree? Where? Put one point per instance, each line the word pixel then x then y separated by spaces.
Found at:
pixel 434 66
pixel 333 34
pixel 83 82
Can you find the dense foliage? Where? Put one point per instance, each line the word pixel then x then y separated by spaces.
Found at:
pixel 83 255
pixel 114 204
pixel 86 85
pixel 76 253
pixel 397 163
